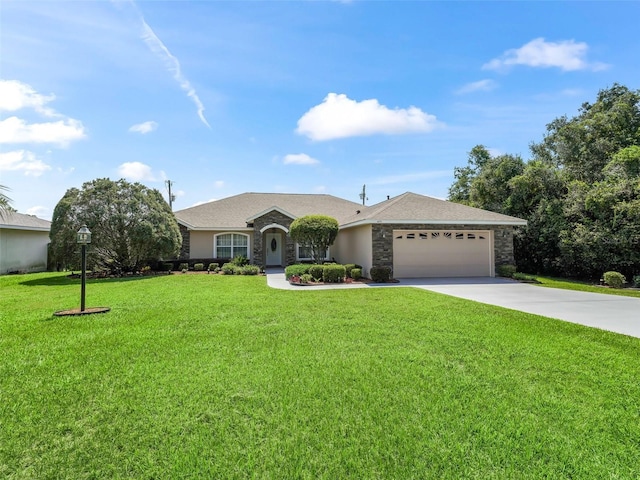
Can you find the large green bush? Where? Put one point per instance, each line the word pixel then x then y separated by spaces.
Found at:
pixel 333 273
pixel 614 279
pixel 380 274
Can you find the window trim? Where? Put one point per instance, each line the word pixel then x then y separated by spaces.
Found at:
pixel 233 246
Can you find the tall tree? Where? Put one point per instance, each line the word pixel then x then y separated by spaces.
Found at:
pixel 584 144
pixel 131 225
pixel 460 190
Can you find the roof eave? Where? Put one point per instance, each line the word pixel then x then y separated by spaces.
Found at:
pixel 435 222
pixel 22 227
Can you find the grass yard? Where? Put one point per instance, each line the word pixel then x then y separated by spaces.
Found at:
pixel 554 282
pixel 202 376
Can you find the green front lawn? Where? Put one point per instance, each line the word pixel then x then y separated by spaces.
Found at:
pixel 202 376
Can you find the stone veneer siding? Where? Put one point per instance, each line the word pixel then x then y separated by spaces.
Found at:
pixel 382 241
pixel 267 219
pixel 185 250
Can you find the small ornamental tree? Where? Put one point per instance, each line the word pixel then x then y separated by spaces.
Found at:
pixel 317 232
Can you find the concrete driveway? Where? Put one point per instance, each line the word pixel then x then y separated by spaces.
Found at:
pixel 608 312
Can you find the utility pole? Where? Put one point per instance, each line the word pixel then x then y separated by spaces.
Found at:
pixel 363 195
pixel 171 196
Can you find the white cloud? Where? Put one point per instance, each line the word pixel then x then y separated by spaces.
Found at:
pixel 299 159
pixel 136 171
pixel 339 117
pixel 144 127
pixel 22 160
pixel 485 85
pixel 320 189
pixel 15 95
pixel 218 183
pixel 39 211
pixel 61 132
pixel 410 177
pixel 567 55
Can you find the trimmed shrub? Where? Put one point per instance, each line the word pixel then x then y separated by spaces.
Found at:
pixel 333 273
pixel 316 272
pixel 614 279
pixel 636 281
pixel 348 267
pixel 249 270
pixel 306 278
pixel 297 269
pixel 229 269
pixel 380 274
pixel 506 270
pixel 167 267
pixel 184 266
pixel 356 273
pixel 240 260
pixel 198 267
pixel 213 266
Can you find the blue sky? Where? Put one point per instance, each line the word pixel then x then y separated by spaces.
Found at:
pixel 303 97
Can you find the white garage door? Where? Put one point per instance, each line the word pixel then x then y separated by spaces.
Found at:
pixel 442 253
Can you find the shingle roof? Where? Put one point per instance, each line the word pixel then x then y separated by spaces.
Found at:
pixel 20 221
pixel 234 212
pixel 413 208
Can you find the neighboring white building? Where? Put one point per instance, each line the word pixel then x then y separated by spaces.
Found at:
pixel 23 243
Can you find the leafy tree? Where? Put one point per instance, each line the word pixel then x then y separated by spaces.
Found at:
pixel 584 144
pixel 131 225
pixel 317 232
pixel 460 191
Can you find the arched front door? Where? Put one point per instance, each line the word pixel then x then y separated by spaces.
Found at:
pixel 273 246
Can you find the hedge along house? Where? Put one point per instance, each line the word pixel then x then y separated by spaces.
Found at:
pixel 415 235
pixel 24 241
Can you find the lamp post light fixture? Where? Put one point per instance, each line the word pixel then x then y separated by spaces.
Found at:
pixel 83 237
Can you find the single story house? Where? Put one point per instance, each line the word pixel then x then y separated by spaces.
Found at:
pixel 24 241
pixel 415 235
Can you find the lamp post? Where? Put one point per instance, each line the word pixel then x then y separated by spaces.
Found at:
pixel 83 237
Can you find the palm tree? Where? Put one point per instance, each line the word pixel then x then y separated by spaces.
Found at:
pixel 5 207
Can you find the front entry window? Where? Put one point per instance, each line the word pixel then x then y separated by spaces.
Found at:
pixel 230 245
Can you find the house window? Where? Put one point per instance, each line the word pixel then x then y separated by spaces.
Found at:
pixel 230 245
pixel 304 253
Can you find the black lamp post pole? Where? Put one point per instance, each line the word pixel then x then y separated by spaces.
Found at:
pixel 84 276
